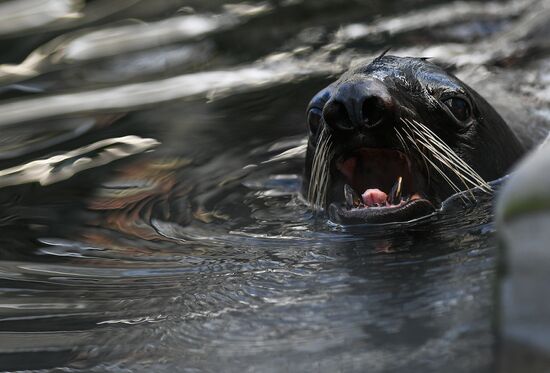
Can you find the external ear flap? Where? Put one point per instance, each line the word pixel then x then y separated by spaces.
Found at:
pixel 382 54
pixel 450 67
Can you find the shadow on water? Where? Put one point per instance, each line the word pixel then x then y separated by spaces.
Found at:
pixel 151 216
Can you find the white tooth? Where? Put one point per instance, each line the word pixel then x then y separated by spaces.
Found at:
pixel 352 198
pixel 396 190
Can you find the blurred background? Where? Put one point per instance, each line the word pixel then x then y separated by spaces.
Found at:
pixel 150 169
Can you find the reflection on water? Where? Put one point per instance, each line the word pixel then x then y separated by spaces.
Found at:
pixel 150 176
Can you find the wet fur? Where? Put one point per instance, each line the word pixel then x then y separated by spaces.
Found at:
pixel 418 87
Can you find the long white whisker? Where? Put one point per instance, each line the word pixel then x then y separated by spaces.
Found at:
pixel 458 162
pixel 449 165
pixel 319 178
pixel 445 161
pixel 443 158
pixel 426 159
pixel 414 143
pixel 465 178
pixel 402 140
pixel 447 156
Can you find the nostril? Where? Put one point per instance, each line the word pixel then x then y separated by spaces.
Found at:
pixel 336 116
pixel 373 111
pixel 314 119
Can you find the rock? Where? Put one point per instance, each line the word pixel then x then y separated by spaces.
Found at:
pixel 523 226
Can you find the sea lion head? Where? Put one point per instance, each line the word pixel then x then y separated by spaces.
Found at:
pixel 392 139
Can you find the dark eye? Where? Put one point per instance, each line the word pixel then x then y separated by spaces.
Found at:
pixel 314 119
pixel 459 107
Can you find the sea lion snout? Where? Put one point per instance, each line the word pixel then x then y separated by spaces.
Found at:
pixel 391 140
pixel 358 104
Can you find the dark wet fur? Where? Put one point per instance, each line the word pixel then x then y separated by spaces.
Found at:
pixel 418 88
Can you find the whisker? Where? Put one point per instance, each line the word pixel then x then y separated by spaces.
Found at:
pixel 402 140
pixel 443 159
pixel 319 178
pixel 426 159
pixel 459 162
pixel 448 163
pixel 444 154
pixel 401 137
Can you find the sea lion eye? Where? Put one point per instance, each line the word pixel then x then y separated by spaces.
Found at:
pixel 314 119
pixel 459 107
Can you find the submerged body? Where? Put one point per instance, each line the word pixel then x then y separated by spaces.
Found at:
pixel 389 141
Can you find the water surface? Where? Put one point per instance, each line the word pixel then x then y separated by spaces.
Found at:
pixel 150 177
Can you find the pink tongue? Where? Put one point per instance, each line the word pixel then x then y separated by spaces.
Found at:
pixel 372 197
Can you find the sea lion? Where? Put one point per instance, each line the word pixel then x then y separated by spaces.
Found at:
pixel 392 139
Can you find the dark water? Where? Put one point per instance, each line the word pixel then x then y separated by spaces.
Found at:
pixel 151 218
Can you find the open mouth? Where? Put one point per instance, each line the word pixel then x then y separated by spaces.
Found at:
pixel 378 186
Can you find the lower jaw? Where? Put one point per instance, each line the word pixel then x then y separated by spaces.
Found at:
pixel 381 215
